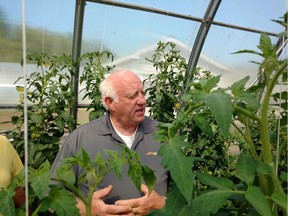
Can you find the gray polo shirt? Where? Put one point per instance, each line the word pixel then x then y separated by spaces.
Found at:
pixel 98 135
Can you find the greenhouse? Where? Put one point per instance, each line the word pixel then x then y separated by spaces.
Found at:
pixel 143 107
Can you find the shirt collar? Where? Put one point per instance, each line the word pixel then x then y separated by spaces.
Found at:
pixel 107 127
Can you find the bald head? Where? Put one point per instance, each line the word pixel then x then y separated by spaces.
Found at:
pixel 116 81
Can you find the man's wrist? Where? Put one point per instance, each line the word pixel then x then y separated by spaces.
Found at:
pixel 160 203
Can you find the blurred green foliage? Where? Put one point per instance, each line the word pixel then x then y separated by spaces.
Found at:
pixel 37 41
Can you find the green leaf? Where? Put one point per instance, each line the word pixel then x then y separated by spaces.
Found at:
pixel 20 212
pixel 179 165
pixel 265 44
pixel 118 166
pixel 83 159
pixel 18 181
pixel 198 85
pixel 40 179
pixel 6 202
pixel 37 118
pixel 149 177
pixel 217 182
pixel 211 83
pixel 158 212
pixel 60 200
pixel 65 173
pixel 238 90
pixel 176 203
pixel 158 98
pixel 186 97
pixel 221 108
pixel 65 115
pixel 246 168
pixel 256 198
pixel 60 123
pixel 264 168
pixel 248 51
pixel 116 162
pixel 92 115
pixel 209 203
pixel 280 199
pixel 238 87
pixel 250 98
pixel 99 161
pixel 135 173
pixel 203 123
pixel 284 176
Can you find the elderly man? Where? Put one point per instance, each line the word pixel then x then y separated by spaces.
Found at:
pixel 125 122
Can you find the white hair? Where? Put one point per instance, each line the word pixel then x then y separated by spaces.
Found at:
pixel 107 89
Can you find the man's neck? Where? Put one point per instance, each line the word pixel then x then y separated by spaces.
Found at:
pixel 125 130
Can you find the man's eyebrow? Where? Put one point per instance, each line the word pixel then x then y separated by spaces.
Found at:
pixel 133 92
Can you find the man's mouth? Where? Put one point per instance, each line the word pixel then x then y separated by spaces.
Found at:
pixel 142 111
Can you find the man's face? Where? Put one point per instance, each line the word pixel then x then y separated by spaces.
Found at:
pixel 130 108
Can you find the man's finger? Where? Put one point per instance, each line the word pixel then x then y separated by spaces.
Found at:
pixel 119 209
pixel 129 202
pixel 100 194
pixel 144 189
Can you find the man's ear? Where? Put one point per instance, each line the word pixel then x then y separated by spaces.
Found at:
pixel 109 103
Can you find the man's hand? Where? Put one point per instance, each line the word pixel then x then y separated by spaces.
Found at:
pixel 141 206
pixel 99 208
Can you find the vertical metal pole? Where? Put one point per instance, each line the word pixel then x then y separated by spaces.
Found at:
pixel 76 51
pixel 198 44
pixel 25 108
pixel 200 39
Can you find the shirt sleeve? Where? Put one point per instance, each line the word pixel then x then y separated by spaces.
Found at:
pixel 10 162
pixel 17 165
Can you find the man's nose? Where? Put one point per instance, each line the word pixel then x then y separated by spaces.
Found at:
pixel 141 99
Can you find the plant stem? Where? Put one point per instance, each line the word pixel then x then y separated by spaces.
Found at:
pixel 248 140
pixel 264 132
pixel 88 201
pixel 247 137
pixel 246 113
pixel 72 187
pixel 191 108
pixel 269 188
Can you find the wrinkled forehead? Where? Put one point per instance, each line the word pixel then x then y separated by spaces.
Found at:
pixel 126 79
pixel 129 86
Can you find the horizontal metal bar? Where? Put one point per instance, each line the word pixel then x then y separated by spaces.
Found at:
pixel 177 15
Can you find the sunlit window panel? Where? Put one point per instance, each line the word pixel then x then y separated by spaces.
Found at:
pixel 10 46
pixel 220 57
pixel 255 14
pixel 45 33
pixel 132 36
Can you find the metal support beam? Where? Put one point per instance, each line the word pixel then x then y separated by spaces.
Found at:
pixel 76 51
pixel 178 15
pixel 200 39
